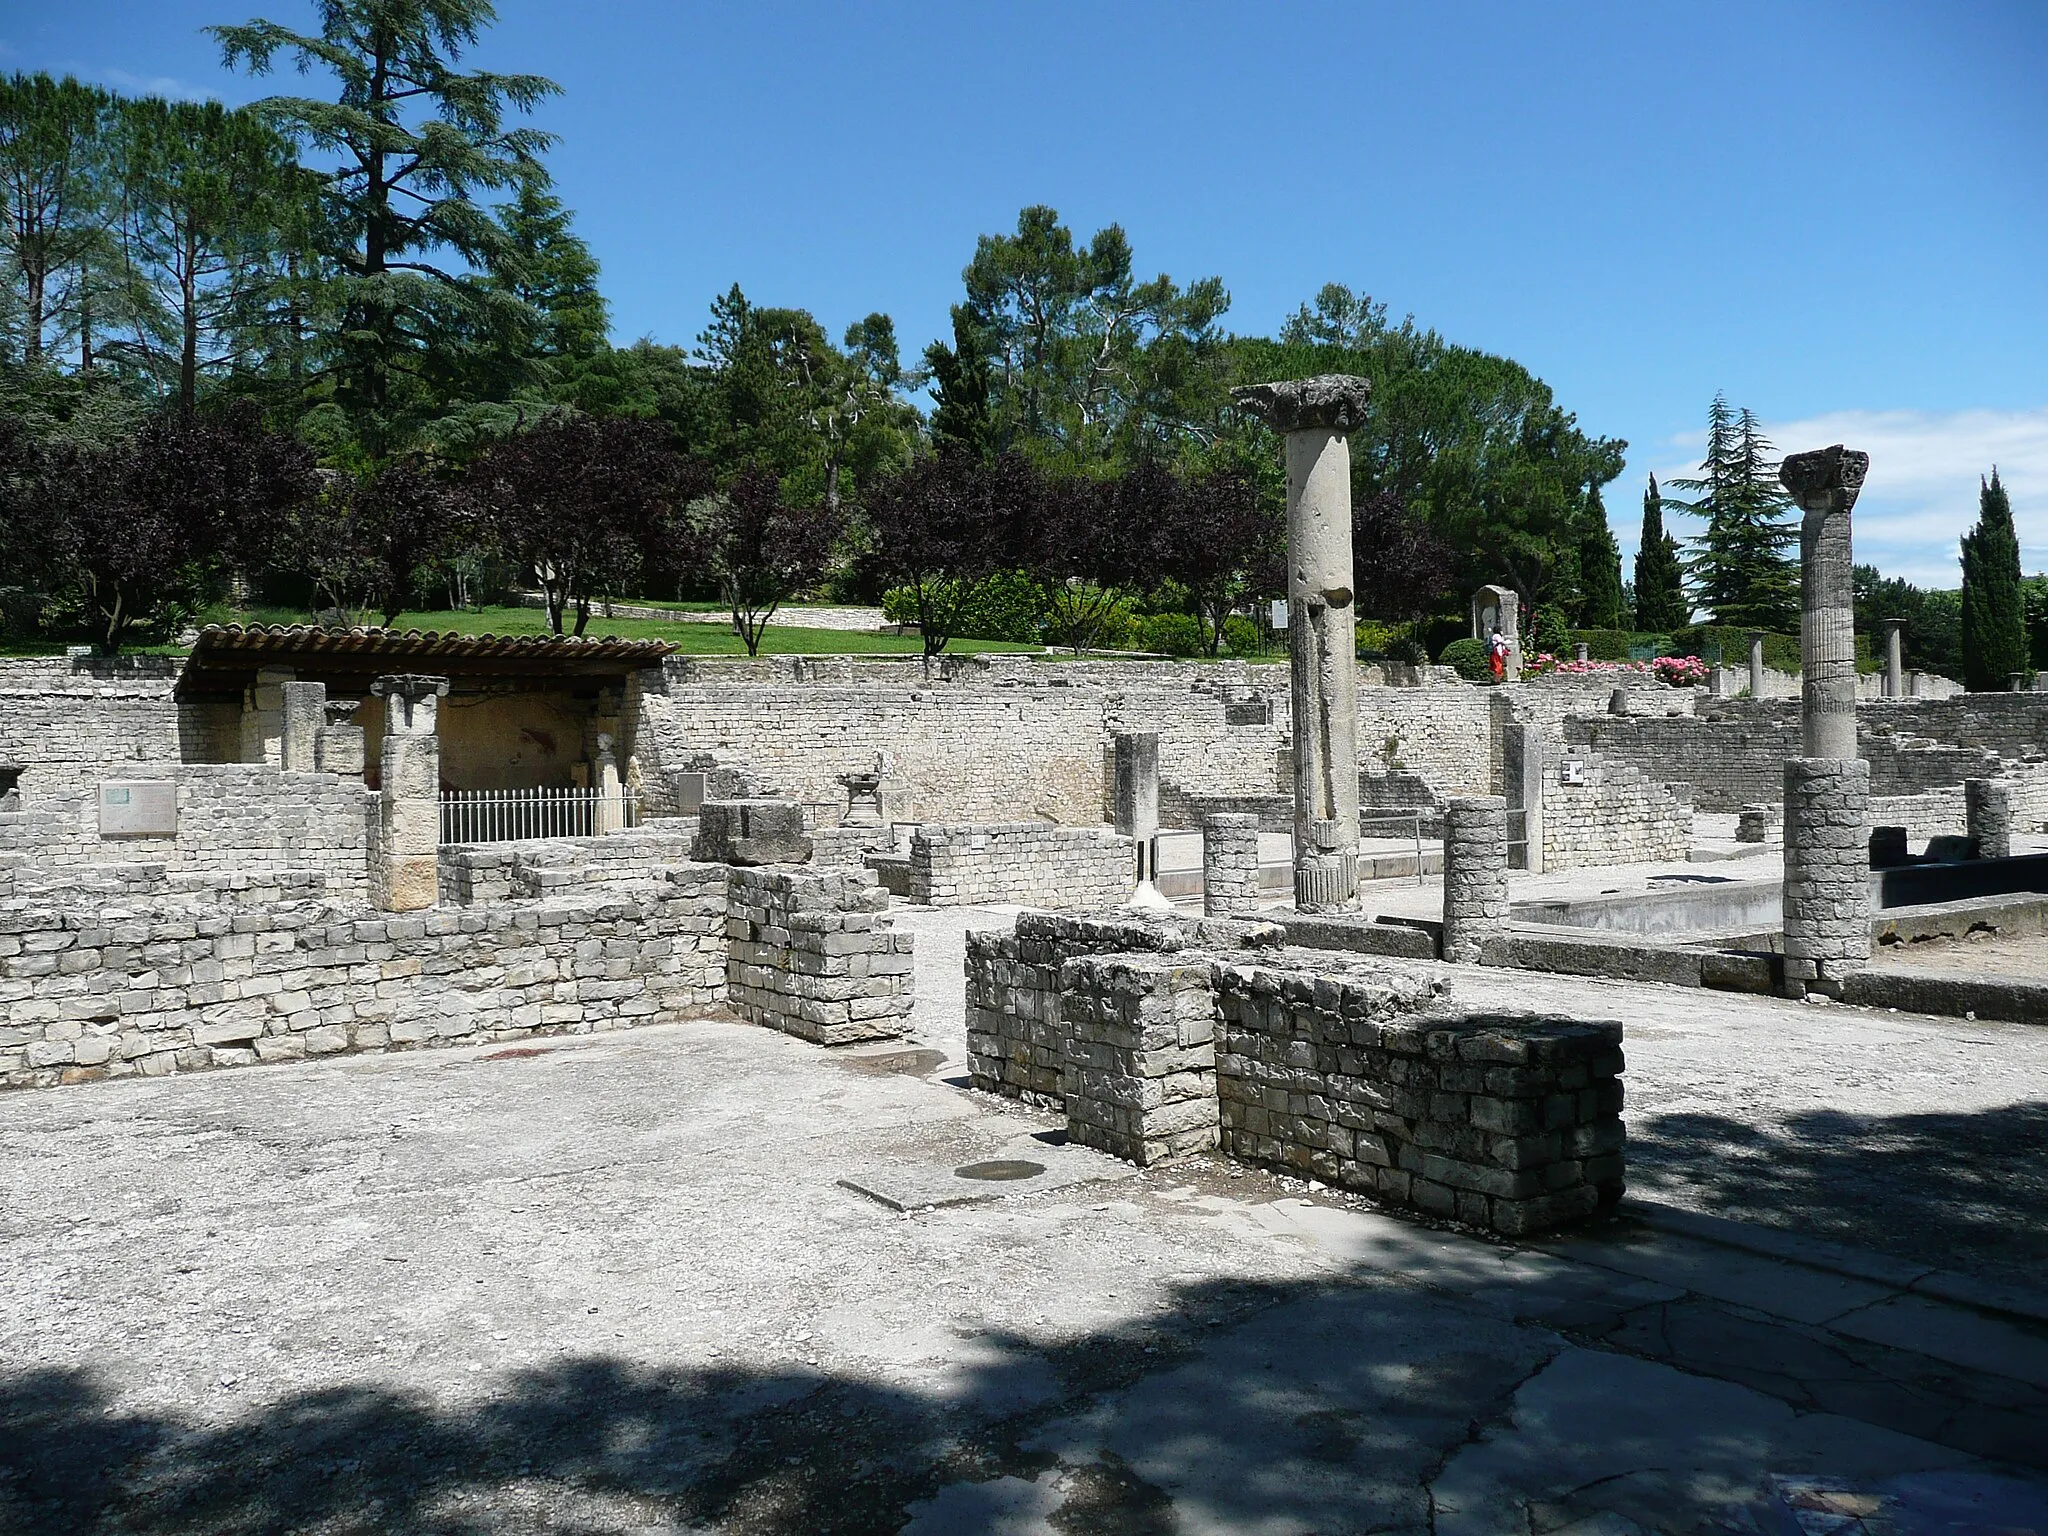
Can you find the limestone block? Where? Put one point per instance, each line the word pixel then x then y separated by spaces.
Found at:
pixel 751 833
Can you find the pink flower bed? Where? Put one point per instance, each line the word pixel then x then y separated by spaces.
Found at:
pixel 1678 671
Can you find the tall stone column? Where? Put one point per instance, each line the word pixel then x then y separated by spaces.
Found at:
pixel 1756 663
pixel 1824 485
pixel 409 827
pixel 1827 791
pixel 1316 416
pixel 1894 660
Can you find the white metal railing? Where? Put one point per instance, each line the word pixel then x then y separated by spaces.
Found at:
pixel 520 815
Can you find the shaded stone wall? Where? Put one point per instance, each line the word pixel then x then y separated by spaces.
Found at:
pixel 97 989
pixel 1508 1121
pixel 1029 863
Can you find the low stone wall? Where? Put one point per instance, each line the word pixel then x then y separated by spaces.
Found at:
pixel 1510 1122
pixel 1160 1044
pixel 1015 1041
pixel 1139 1037
pixel 816 956
pixel 97 989
pixel 1030 863
pixel 473 874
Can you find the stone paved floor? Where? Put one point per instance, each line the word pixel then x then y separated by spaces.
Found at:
pixel 615 1283
pixel 1923 1138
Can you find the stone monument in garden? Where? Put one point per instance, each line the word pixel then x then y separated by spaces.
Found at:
pixel 1827 790
pixel 1316 417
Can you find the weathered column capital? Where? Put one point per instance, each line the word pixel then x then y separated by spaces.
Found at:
pixel 1825 480
pixel 1330 402
pixel 410 686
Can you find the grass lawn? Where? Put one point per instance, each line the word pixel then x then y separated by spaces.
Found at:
pixel 689 638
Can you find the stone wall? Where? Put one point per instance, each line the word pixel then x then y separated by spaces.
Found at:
pixel 233 817
pixel 1616 816
pixel 959 754
pixel 92 988
pixel 1734 753
pixel 1162 1038
pixel 1014 1034
pixel 68 719
pixel 1028 863
pixel 1510 1122
pixel 1139 1040
pixel 816 956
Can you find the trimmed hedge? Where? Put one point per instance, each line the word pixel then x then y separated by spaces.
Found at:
pixel 1469 657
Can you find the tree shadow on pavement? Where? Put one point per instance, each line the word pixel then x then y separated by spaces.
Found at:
pixel 1964 1191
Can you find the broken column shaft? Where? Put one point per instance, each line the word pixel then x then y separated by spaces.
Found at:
pixel 1316 416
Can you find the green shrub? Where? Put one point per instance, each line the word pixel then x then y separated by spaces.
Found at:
pixel 1005 606
pixel 1172 634
pixel 1548 631
pixel 1618 644
pixel 1469 657
pixel 1241 636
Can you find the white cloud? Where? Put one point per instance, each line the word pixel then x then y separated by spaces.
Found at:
pixel 1922 490
pixel 128 81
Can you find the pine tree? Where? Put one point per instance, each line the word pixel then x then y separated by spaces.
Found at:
pixel 1741 568
pixel 1994 612
pixel 1599 569
pixel 1659 586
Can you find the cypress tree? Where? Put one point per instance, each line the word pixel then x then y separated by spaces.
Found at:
pixel 1660 592
pixel 1599 569
pixel 1994 610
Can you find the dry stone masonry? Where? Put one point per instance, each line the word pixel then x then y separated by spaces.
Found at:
pixel 106 988
pixel 1139 1068
pixel 1163 1038
pixel 1509 1122
pixel 1030 863
pixel 1230 864
pixel 816 956
pixel 1475 874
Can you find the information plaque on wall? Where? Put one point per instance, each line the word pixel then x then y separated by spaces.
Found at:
pixel 139 808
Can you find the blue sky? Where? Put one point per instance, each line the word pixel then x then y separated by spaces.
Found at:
pixel 1837 213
